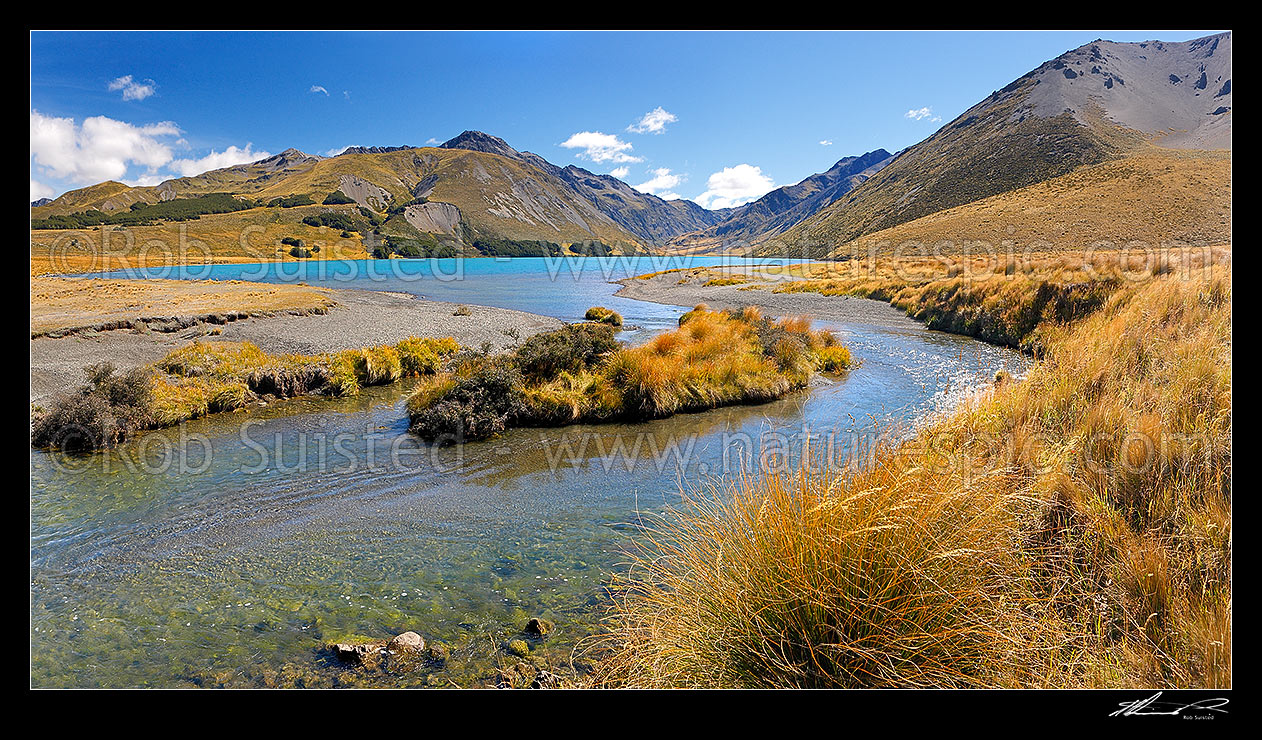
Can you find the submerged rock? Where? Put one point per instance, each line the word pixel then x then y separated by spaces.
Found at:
pixel 538 626
pixel 367 654
pixel 408 641
pixel 518 648
pixel 438 654
pixel 400 653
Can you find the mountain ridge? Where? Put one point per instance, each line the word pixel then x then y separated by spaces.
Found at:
pixel 1075 110
pixel 786 206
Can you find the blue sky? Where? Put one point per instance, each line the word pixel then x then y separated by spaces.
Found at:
pixel 715 117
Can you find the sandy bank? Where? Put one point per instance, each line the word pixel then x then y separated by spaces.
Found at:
pixel 359 318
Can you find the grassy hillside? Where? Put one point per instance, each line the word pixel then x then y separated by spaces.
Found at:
pixel 497 198
pixel 992 148
pixel 244 236
pixel 1154 197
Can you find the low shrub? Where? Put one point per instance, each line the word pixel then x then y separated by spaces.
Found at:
pixel 478 401
pixel 603 315
pixel 572 349
pixel 107 410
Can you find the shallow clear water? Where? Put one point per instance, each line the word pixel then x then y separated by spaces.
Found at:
pixel 315 519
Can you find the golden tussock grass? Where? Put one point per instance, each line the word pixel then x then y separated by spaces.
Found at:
pixel 1010 300
pixel 1069 530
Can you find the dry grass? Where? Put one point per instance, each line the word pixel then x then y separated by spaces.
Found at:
pixel 67 304
pixel 1002 299
pixel 1155 197
pixel 1073 529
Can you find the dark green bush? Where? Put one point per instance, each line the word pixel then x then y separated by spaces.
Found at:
pixel 572 348
pixel 337 198
pixel 107 410
pixel 140 214
pixel 592 248
pixel 339 221
pixel 517 248
pixel 485 397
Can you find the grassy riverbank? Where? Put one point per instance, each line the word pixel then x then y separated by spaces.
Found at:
pixel 1012 301
pixel 1073 529
pixel 213 376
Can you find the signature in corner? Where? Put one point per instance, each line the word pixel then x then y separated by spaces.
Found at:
pixel 1152 707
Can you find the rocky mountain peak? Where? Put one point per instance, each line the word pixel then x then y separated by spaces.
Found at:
pixel 478 141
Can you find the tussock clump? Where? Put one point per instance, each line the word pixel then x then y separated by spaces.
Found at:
pixel 107 410
pixel 569 398
pixel 1069 530
pixel 834 359
pixel 424 356
pixel 603 315
pixel 819 579
pixel 581 373
pixel 697 310
pixel 372 365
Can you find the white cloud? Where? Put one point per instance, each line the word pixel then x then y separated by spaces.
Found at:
pixel 620 172
pixel 734 186
pixel 661 184
pixel 919 114
pixel 327 152
pixel 40 190
pixel 432 141
pixel 319 89
pixel 98 149
pixel 147 180
pixel 346 94
pixel 600 147
pixel 825 142
pixel 653 122
pixel 132 88
pixel 218 160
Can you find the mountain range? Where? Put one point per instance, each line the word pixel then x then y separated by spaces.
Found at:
pixel 1082 112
